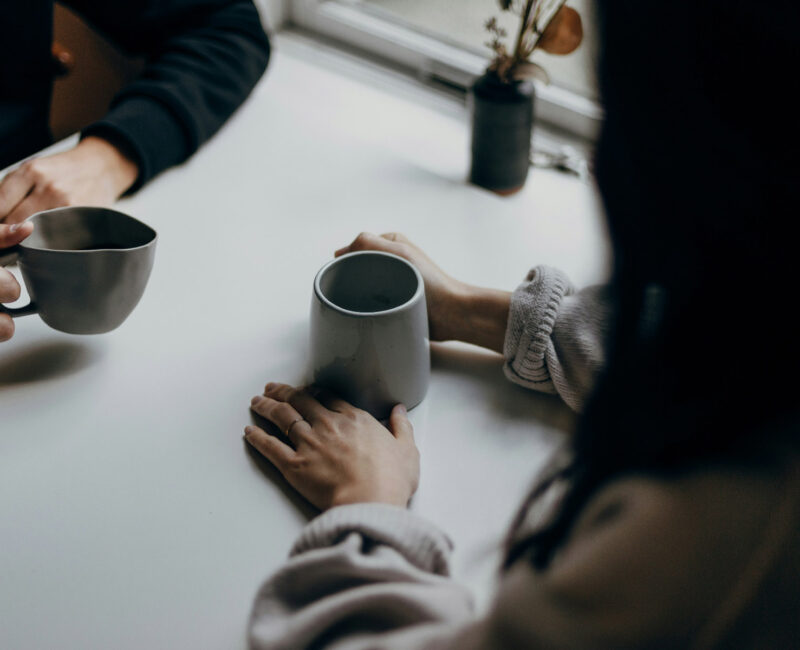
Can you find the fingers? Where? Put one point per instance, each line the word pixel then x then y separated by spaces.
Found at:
pixel 283 415
pixel 36 201
pixel 274 450
pixel 6 327
pixel 329 400
pixel 28 190
pixel 399 424
pixel 9 287
pixel 396 237
pixel 299 398
pixel 391 242
pixel 11 235
pixel 14 188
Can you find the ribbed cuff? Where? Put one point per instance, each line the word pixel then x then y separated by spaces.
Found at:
pixel 147 131
pixel 419 541
pixel 534 308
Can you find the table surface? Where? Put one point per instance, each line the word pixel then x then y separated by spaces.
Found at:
pixel 131 513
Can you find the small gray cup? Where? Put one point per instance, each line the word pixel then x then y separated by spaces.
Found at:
pixel 369 331
pixel 85 268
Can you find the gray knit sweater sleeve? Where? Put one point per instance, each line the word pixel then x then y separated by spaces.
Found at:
pixel 362 576
pixel 555 337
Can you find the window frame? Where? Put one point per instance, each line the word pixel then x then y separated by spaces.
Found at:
pixel 432 59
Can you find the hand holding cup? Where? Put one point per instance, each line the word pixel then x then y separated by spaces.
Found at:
pixel 457 311
pixel 369 331
pixel 442 292
pixel 85 268
pixel 10 235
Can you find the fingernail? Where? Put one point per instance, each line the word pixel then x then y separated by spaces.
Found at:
pixel 14 227
pixel 255 400
pixel 402 408
pixel 269 387
pixel 247 431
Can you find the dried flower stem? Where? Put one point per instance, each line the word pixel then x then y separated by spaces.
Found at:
pixel 515 64
pixel 523 28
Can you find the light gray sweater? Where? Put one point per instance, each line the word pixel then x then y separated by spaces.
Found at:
pixel 707 559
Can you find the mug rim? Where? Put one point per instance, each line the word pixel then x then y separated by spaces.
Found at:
pixel 92 208
pixel 418 293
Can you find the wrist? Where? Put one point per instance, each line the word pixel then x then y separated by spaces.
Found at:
pixel 119 167
pixel 346 496
pixel 454 308
pixel 480 316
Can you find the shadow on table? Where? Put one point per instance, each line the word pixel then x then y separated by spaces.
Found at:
pixel 268 469
pixel 46 360
pixel 475 366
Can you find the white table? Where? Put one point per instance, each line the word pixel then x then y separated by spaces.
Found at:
pixel 131 513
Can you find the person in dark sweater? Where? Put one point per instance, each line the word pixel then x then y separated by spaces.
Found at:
pixel 203 59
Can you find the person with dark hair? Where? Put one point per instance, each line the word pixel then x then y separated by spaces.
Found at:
pixel 203 58
pixel 672 517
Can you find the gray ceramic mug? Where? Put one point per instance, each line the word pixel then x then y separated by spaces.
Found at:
pixel 369 331
pixel 85 268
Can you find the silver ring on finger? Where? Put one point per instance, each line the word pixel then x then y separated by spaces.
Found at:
pixel 288 429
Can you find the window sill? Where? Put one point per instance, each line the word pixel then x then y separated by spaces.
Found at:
pixel 549 142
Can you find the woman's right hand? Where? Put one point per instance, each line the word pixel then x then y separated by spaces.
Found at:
pixel 443 294
pixel 9 287
pixel 456 311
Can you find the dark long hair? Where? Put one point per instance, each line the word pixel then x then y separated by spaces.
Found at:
pixel 698 168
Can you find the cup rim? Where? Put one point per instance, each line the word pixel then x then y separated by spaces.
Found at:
pixel 24 245
pixel 418 293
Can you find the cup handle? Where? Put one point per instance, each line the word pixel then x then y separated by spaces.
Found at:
pixel 9 256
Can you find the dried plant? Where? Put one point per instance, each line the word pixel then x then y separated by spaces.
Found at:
pixel 534 15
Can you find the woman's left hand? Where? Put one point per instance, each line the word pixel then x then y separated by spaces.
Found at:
pixel 333 453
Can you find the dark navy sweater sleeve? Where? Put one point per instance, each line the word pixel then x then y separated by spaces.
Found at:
pixel 203 58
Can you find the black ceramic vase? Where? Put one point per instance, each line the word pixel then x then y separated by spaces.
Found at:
pixel 502 119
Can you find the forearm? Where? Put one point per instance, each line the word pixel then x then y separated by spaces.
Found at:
pixel 553 338
pixel 479 316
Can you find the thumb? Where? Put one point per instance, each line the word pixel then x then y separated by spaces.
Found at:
pixel 10 235
pixel 399 424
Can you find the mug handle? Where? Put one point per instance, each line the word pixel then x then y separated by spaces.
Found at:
pixel 9 256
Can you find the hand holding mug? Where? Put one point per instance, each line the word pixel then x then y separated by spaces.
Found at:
pixel 333 453
pixel 9 287
pixel 456 311
pixel 369 340
pixel 442 292
pixel 85 267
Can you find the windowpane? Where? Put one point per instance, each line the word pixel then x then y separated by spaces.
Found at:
pixel 461 22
